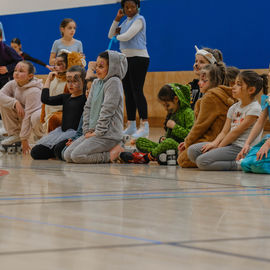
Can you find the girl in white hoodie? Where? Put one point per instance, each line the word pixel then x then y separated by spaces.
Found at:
pixel 20 106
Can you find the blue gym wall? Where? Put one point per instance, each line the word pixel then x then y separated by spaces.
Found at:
pixel 238 28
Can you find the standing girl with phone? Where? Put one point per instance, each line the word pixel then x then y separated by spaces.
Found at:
pixel 132 37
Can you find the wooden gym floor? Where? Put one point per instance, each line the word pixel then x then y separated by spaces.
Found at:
pixel 55 215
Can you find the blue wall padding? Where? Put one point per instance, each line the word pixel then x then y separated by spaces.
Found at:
pixel 173 28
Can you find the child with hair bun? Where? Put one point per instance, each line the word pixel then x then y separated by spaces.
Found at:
pixel 203 57
pixel 220 154
pixel 67 41
pixel 210 110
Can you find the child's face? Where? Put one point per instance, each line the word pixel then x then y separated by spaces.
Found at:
pixel 69 30
pixel 60 65
pixel 200 62
pixel 16 47
pixel 130 9
pixel 204 82
pixel 240 90
pixel 21 74
pixel 170 106
pixel 74 83
pixel 102 68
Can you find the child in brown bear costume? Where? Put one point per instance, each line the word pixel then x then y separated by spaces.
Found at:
pixel 210 110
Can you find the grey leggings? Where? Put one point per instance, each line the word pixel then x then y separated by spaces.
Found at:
pixel 218 159
pixel 90 150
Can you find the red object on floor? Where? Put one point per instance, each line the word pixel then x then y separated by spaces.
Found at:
pixel 139 158
pixel 3 172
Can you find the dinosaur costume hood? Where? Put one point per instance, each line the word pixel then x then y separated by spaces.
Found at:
pixel 183 94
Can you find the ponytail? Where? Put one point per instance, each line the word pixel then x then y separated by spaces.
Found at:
pixel 253 79
pixel 265 83
pixel 216 73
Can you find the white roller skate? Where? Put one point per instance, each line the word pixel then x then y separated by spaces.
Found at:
pixel 168 158
pixel 12 144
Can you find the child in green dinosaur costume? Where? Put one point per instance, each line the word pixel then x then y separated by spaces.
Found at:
pixel 180 118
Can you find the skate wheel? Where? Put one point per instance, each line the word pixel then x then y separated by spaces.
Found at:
pixel 11 150
pixel 126 138
pixel 162 159
pixel 19 149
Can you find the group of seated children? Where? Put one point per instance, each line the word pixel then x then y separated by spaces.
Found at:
pixel 228 120
pixel 80 128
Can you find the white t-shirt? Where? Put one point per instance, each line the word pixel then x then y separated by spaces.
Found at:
pixel 237 115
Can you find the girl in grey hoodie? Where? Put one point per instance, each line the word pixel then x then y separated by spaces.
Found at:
pixel 103 114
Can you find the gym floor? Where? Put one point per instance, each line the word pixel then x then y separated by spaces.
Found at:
pixel 55 215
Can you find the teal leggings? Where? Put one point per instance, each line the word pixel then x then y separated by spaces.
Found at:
pixel 250 162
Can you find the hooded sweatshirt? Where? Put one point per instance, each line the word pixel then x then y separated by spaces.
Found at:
pixel 29 97
pixel 210 114
pixel 183 117
pixel 109 124
pixel 8 58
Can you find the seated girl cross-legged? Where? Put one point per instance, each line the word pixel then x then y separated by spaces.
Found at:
pixel 221 153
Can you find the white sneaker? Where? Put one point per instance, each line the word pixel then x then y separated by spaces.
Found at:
pixel 143 131
pixel 238 164
pixel 11 139
pixel 131 128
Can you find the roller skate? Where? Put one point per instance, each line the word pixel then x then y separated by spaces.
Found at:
pixel 136 158
pixel 168 158
pixel 12 144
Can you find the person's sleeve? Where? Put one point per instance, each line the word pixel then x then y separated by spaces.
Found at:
pixel 231 111
pixel 15 59
pixel 181 132
pixel 80 47
pixel 54 47
pixel 113 29
pixel 207 115
pixel 6 95
pixel 134 29
pixel 86 110
pixel 254 110
pixel 112 96
pixel 79 131
pixel 32 59
pixel 51 100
